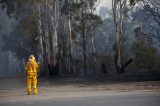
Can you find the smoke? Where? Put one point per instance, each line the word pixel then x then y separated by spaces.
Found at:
pixel 8 63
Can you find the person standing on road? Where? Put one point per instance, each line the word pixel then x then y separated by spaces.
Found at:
pixel 31 73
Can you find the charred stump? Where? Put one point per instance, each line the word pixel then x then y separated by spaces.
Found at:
pixel 104 69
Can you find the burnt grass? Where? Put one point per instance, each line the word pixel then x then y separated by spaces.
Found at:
pixel 88 80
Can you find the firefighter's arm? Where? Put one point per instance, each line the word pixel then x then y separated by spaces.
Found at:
pixel 36 66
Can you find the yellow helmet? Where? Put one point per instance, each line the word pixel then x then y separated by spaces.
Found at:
pixel 32 57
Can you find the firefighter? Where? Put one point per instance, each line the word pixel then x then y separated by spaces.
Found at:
pixel 31 72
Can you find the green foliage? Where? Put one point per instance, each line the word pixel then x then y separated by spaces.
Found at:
pixel 82 10
pixel 78 62
pixel 30 25
pixel 30 1
pixel 21 41
pixel 101 57
pixel 90 20
pixel 146 55
pixel 94 19
pixel 133 2
pixel 11 6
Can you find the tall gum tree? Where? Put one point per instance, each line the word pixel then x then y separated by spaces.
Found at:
pixel 119 8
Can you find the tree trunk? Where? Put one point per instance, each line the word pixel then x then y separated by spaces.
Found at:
pixel 48 24
pixel 70 41
pixel 83 38
pixel 118 15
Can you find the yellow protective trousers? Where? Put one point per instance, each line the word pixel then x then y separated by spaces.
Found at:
pixel 32 83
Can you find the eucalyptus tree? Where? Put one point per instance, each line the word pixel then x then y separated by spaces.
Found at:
pixel 51 29
pixel 120 9
pixel 24 29
pixel 37 21
pixel 150 21
pixel 85 21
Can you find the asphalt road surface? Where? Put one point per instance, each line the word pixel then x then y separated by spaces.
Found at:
pixel 103 99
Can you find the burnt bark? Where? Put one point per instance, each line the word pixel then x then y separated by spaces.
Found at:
pixel 121 69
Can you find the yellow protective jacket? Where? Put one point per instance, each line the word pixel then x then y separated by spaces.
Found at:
pixel 31 67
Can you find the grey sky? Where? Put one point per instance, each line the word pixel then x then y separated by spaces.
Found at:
pixel 106 3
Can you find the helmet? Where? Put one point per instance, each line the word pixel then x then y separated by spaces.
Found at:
pixel 32 57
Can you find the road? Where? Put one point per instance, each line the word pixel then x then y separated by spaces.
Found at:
pixel 78 92
pixel 99 99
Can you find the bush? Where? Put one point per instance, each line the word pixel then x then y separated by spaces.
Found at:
pixel 146 56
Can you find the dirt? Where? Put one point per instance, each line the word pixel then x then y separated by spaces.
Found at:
pixel 16 87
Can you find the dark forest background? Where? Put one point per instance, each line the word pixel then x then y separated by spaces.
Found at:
pixel 69 37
